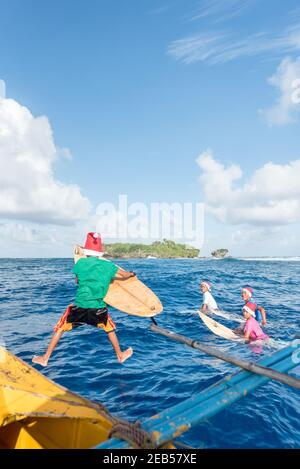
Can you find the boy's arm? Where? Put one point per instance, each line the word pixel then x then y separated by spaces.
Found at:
pixel 204 308
pixel 247 331
pixel 124 274
pixel 263 315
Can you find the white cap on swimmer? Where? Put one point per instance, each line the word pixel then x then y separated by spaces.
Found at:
pixel 250 308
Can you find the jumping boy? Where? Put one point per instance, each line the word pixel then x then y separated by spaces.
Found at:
pixel 93 276
pixel 260 313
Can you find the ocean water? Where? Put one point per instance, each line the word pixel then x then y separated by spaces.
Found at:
pixel 161 373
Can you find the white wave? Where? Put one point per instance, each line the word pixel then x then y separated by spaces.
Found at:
pixel 270 259
pixel 225 315
pixel 230 316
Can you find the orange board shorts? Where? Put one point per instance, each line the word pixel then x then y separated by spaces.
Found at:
pixel 74 317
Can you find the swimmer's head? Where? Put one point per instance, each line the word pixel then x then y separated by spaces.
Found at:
pixel 249 310
pixel 205 286
pixel 246 293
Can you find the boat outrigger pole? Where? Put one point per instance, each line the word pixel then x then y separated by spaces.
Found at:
pixel 167 425
pixel 245 365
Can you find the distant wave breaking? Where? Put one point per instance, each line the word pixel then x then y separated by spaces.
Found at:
pixel 282 259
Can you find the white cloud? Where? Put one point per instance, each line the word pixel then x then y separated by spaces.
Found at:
pixel 215 47
pixel 26 239
pixel 253 241
pixel 287 81
pixel 28 188
pixel 220 10
pixel 161 9
pixel 249 235
pixel 18 233
pixel 2 89
pixel 270 196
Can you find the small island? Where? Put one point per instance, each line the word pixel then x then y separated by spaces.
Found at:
pixel 165 249
pixel 219 253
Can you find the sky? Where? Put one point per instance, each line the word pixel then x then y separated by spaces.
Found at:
pixel 164 101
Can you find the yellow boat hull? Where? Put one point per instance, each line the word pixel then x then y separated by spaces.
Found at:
pixel 35 412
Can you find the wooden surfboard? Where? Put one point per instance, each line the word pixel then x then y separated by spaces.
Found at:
pixel 130 296
pixel 218 328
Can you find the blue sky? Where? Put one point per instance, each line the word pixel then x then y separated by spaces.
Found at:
pixel 137 90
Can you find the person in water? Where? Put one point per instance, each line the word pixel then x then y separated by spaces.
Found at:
pixel 208 303
pixel 260 313
pixel 252 330
pixel 93 277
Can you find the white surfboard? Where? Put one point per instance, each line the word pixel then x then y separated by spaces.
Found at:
pixel 231 316
pixel 218 328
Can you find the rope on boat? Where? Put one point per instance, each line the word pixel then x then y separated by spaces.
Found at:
pixel 246 365
pixel 133 433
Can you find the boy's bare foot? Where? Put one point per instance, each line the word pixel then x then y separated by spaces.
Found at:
pixel 40 360
pixel 125 355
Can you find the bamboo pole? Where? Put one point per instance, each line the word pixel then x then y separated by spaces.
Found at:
pixel 246 365
pixel 172 422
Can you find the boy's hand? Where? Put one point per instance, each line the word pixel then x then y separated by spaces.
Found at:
pixel 125 274
pixel 130 274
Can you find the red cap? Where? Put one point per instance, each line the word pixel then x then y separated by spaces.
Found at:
pixel 248 290
pixel 93 245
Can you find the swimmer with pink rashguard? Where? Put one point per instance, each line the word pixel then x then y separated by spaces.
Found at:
pixel 252 330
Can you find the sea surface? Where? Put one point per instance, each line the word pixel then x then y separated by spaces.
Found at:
pixel 162 373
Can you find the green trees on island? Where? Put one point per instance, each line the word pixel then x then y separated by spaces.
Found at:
pixel 164 249
pixel 219 253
